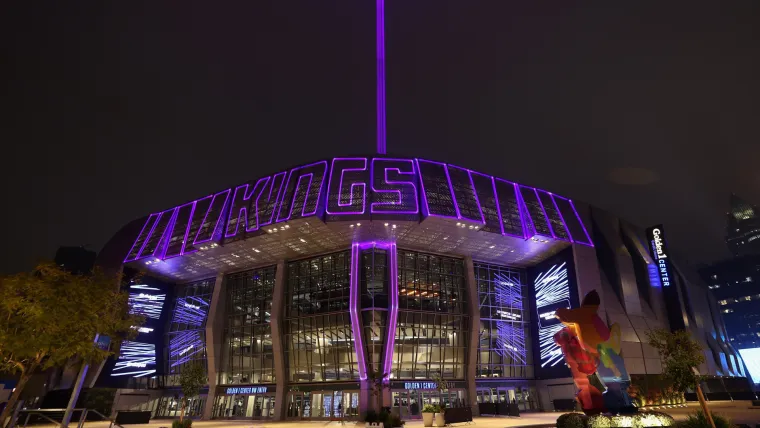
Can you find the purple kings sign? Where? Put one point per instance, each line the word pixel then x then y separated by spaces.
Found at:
pixel 359 188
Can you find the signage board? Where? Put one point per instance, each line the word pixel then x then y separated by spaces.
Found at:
pixel 658 248
pixel 351 188
pixel 245 390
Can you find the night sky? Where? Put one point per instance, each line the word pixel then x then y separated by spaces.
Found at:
pixel 114 110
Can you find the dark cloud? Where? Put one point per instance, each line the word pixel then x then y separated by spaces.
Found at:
pixel 119 109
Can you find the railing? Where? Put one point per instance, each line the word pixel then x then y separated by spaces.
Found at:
pixel 55 416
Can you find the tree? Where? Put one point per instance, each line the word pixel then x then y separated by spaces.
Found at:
pixel 680 354
pixel 50 317
pixel 378 381
pixel 191 379
pixel 441 385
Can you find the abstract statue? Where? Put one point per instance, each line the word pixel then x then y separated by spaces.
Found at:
pixel 586 341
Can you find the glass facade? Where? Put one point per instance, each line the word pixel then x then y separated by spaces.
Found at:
pixel 247 355
pixel 503 348
pixel 432 328
pixel 374 289
pixel 319 342
pixel 187 334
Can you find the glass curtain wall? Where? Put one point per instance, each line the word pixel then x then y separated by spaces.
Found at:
pixel 319 342
pixel 432 329
pixel 374 289
pixel 503 348
pixel 187 334
pixel 247 352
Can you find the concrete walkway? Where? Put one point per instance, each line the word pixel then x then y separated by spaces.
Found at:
pixel 740 412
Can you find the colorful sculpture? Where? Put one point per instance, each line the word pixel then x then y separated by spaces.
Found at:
pixel 586 341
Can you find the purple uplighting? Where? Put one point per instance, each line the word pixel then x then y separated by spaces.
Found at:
pixel 380 49
pixel 354 311
pixel 354 205
pixel 289 203
pixel 404 205
pixel 390 342
pixel 390 189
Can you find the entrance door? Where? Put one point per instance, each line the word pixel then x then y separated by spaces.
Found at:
pixel 407 403
pixel 350 404
pixel 299 405
pixel 317 405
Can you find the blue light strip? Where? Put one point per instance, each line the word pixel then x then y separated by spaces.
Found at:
pixel 510 338
pixel 184 345
pixel 135 355
pixel 146 304
pixel 190 310
pixel 552 286
pixel 552 292
pixel 510 341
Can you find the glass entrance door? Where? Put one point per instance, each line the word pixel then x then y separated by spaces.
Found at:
pixel 407 403
pixel 318 405
pixel 298 406
pixel 350 406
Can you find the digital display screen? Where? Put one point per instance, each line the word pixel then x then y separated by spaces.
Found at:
pixel 552 290
pixel 751 357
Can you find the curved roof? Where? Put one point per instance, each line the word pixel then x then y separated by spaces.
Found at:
pixel 327 205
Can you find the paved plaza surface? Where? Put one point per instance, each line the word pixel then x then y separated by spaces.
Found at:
pixel 739 412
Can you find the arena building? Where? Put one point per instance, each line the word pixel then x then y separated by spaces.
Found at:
pixel 299 289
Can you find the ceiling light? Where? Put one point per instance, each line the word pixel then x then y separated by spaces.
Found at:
pixel 358 224
pixel 394 226
pixel 386 224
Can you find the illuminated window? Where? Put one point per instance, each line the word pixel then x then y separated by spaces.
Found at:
pixel 746 298
pixel 319 341
pixel 748 279
pixel 715 276
pixel 727 311
pixel 722 302
pixel 503 348
pixel 187 332
pixel 247 355
pixel 431 334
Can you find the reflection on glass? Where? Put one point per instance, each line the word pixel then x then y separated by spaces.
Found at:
pixel 504 336
pixel 432 330
pixel 247 356
pixel 319 342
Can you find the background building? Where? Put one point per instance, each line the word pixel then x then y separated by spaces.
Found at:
pixel 742 228
pixel 734 283
pixel 298 288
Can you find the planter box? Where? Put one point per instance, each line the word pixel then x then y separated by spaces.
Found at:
pixel 440 420
pixel 427 419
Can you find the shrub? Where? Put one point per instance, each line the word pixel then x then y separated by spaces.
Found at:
pixel 394 421
pixel 655 419
pixel 571 420
pixel 431 408
pixel 369 416
pixel 699 420
pixel 638 420
pixel 186 423
pixel 599 421
pixel 384 417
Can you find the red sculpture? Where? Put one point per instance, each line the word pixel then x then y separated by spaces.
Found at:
pixel 585 342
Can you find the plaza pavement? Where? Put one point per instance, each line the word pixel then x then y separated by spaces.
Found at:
pixel 740 412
